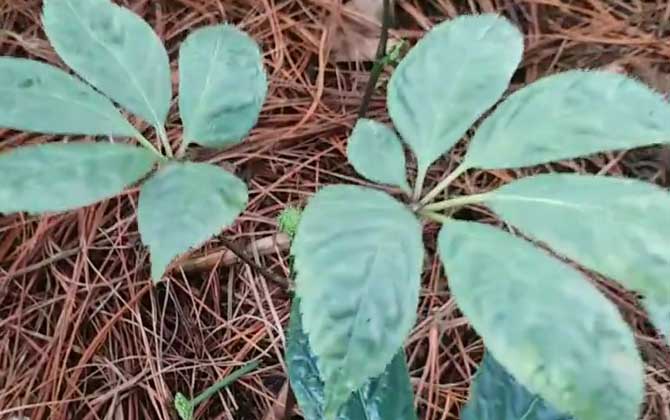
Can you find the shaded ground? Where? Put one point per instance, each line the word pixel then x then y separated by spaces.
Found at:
pixel 83 333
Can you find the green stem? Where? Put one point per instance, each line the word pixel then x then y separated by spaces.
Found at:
pixel 462 167
pixel 418 186
pixel 235 375
pixel 456 202
pixel 162 135
pixel 144 142
pixel 182 149
pixel 440 218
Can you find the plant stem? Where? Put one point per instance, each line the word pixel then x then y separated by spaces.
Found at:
pixel 378 65
pixel 456 202
pixel 242 254
pixel 162 135
pixel 462 167
pixel 182 148
pixel 440 218
pixel 147 144
pixel 418 186
pixel 235 375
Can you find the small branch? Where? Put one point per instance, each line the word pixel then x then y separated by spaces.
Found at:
pixel 234 376
pixel 444 183
pixel 248 259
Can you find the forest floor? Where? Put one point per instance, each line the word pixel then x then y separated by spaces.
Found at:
pixel 84 334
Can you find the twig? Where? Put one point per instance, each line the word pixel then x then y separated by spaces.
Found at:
pixel 242 255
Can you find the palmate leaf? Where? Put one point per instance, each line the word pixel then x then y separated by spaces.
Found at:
pixel 183 205
pixel 544 322
pixel 42 98
pixel 568 115
pixel 449 79
pixel 222 85
pixel 375 151
pixel 388 396
pixel 114 50
pixel 60 176
pixel 358 258
pixel 618 227
pixel 496 395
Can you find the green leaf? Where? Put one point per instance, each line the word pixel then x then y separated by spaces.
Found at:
pixel 183 205
pixel 496 395
pixel 183 406
pixel 568 115
pixel 544 322
pixel 222 85
pixel 60 176
pixel 42 98
pixel 449 79
pixel 358 257
pixel 619 227
pixel 114 50
pixel 388 396
pixel 375 151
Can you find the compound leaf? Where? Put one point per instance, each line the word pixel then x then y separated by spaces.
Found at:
pixel 222 85
pixel 544 322
pixel 61 176
pixel 568 115
pixel 388 396
pixel 183 205
pixel 619 227
pixel 496 395
pixel 114 50
pixel 449 79
pixel 358 257
pixel 375 151
pixel 42 98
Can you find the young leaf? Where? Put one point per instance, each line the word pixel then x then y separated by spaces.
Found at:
pixel 222 85
pixel 449 79
pixel 42 98
pixel 388 396
pixel 183 205
pixel 567 115
pixel 60 176
pixel 496 395
pixel 375 152
pixel 619 227
pixel 114 50
pixel 358 257
pixel 544 322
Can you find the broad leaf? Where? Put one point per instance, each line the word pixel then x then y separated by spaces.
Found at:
pixel 375 151
pixel 388 396
pixel 544 322
pixel 42 98
pixel 496 395
pixel 619 227
pixel 114 50
pixel 568 115
pixel 449 79
pixel 358 257
pixel 61 176
pixel 222 85
pixel 183 205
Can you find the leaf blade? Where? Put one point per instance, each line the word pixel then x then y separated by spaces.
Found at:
pixel 430 114
pixel 38 97
pixel 222 85
pixel 375 151
pixel 618 227
pixel 348 259
pixel 559 337
pixel 114 50
pixel 202 200
pixel 59 176
pixel 567 115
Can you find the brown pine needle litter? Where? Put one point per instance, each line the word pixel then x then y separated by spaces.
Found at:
pixel 85 335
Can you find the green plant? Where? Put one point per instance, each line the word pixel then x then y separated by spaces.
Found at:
pixel 222 86
pixel 358 252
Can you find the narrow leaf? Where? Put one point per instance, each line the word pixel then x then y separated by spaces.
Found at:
pixel 619 227
pixel 42 98
pixel 183 205
pixel 388 396
pixel 568 115
pixel 449 79
pixel 114 50
pixel 375 151
pixel 544 322
pixel 60 176
pixel 358 257
pixel 496 395
pixel 222 85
